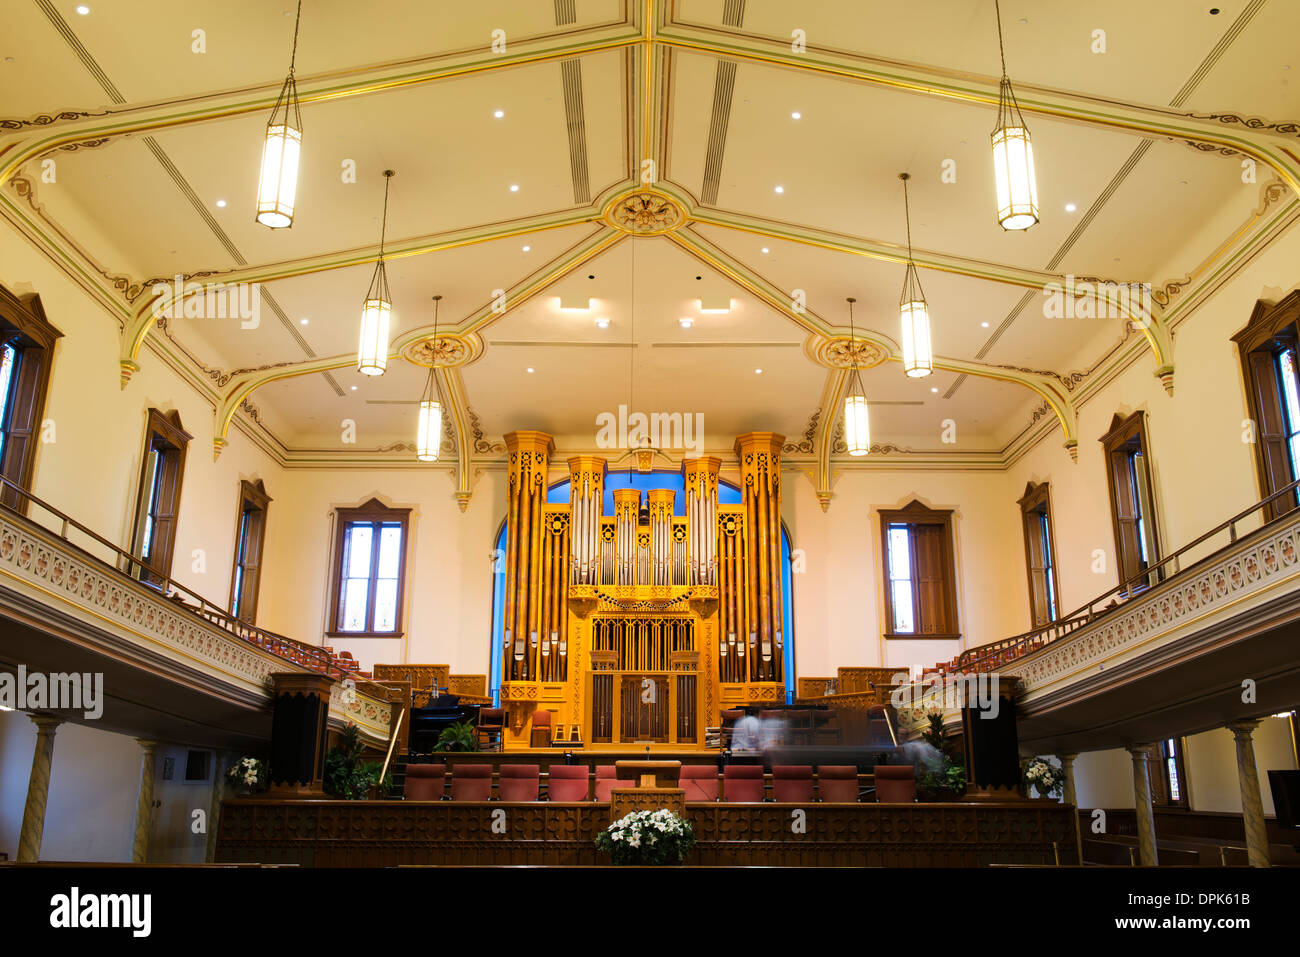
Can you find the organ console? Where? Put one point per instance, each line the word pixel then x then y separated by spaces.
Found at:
pixel 641 625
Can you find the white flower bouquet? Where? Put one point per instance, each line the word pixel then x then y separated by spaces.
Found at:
pixel 647 837
pixel 1044 777
pixel 248 775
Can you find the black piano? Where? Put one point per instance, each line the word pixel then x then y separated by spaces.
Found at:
pixel 441 712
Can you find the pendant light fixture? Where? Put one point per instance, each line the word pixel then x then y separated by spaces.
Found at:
pixel 918 361
pixel 372 353
pixel 857 427
pixel 428 439
pixel 277 186
pixel 1013 154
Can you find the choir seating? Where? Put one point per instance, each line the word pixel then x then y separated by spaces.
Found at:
pixel 519 782
pixel 606 781
pixel 799 727
pixel 425 782
pixel 491 727
pixel 895 783
pixel 792 783
pixel 568 782
pixel 742 783
pixel 729 718
pixel 699 781
pixel 471 782
pixel 540 737
pixel 838 783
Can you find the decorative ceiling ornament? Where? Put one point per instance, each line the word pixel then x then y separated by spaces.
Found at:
pixel 1013 154
pixel 645 213
pixel 377 308
pixel 913 313
pixel 857 420
pixel 444 351
pixel 277 186
pixel 843 353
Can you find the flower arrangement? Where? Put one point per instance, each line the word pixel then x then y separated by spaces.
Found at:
pixel 248 775
pixel 647 837
pixel 1045 777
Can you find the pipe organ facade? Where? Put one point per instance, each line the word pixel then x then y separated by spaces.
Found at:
pixel 642 625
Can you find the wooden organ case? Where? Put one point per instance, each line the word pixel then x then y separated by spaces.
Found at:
pixel 640 627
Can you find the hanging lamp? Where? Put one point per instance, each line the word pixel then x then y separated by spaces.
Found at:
pixel 1013 154
pixel 857 426
pixel 913 313
pixel 277 186
pixel 428 438
pixel 372 352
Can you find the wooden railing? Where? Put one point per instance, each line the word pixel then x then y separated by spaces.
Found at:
pixel 123 563
pixel 995 654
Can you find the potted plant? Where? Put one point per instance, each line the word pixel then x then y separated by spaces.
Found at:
pixel 346 775
pixel 939 776
pixel 647 838
pixel 249 775
pixel 1044 777
pixel 457 737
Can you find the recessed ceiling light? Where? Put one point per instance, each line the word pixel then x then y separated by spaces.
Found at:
pixel 499 113
pixel 780 189
pixel 933 389
pixel 796 115
pixel 528 248
pixel 354 388
pixel 686 323
pixel 602 323
pixel 984 325
pixel 304 321
pixel 83 10
pixel 530 369
pixel 1070 207
pixel 765 250
pixel 221 204
pixel 758 372
pixel 514 187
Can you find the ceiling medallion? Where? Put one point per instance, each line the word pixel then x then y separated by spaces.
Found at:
pixel 443 351
pixel 645 214
pixel 840 353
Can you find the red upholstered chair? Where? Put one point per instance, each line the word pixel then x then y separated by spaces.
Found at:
pixel 568 782
pixel 838 783
pixel 471 782
pixel 699 781
pixel 895 783
pixel 792 783
pixel 606 781
pixel 541 733
pixel 742 782
pixel 519 782
pixel 425 782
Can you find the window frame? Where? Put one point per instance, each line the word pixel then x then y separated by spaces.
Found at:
pixel 1272 328
pixel 161 429
pixel 913 514
pixel 1036 507
pixel 23 325
pixel 253 499
pixel 373 511
pixel 1162 795
pixel 1127 438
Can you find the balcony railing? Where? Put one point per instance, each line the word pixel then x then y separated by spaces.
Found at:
pixel 100 550
pixel 996 654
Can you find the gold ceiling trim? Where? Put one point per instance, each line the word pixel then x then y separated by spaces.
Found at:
pixel 645 212
pixel 445 351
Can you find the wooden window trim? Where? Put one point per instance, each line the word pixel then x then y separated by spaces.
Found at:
pixel 372 511
pixel 915 513
pixel 165 427
pixel 1037 500
pixel 252 497
pixel 1123 431
pixel 23 324
pixel 1272 327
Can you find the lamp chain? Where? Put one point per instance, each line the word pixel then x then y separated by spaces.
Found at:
pixel 293 56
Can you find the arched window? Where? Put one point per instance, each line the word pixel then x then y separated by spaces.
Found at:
pixel 558 494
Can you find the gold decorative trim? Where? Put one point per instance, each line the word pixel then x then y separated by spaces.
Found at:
pixel 645 213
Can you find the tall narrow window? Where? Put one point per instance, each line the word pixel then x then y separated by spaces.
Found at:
pixel 920 577
pixel 1132 501
pixel 26 345
pixel 1168 781
pixel 1268 365
pixel 161 475
pixel 370 565
pixel 1040 554
pixel 250 534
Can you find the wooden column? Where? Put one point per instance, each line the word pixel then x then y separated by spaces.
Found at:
pixel 1252 805
pixel 301 709
pixel 144 801
pixel 38 789
pixel 760 473
pixel 1071 798
pixel 1146 821
pixel 528 456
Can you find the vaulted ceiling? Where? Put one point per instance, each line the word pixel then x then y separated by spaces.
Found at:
pixel 647 140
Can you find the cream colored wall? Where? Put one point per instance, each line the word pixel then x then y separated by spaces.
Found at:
pixel 1211 764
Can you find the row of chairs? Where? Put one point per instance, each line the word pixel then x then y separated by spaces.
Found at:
pixel 797 726
pixel 745 783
